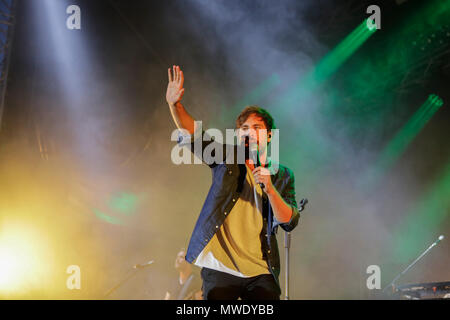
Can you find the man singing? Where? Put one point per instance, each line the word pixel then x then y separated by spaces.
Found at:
pixel 234 239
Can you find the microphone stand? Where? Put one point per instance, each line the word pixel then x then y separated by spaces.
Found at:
pixel 287 246
pixel 392 284
pixel 136 268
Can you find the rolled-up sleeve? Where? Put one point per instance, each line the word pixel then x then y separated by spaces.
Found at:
pixel 185 139
pixel 288 195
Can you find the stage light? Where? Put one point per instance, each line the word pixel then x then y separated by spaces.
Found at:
pixel 23 260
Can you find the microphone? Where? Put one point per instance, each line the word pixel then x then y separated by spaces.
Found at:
pixel 255 157
pixel 144 265
pixel 254 154
pixel 441 237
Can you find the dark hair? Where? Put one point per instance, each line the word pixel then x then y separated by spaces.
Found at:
pixel 260 112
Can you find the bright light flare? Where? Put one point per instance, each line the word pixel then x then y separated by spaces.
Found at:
pixel 22 259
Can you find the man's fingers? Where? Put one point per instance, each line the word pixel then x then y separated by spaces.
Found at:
pixel 178 74
pixel 256 170
pixel 259 179
pixel 170 75
pixel 261 170
pixel 181 79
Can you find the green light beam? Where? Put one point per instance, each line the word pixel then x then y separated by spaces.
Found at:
pixel 309 135
pixel 342 52
pixel 423 221
pixel 328 65
pixel 398 145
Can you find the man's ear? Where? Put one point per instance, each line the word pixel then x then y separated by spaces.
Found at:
pixel 269 136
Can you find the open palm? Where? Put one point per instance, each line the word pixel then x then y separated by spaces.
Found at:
pixel 175 88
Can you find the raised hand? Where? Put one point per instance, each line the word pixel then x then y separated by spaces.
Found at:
pixel 175 88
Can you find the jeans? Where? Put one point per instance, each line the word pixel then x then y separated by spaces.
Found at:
pixel 223 286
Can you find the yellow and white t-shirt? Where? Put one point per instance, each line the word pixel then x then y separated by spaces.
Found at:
pixel 236 246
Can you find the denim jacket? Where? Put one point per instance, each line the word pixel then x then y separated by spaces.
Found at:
pixel 227 181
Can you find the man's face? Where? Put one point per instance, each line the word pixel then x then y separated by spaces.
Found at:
pixel 180 261
pixel 256 129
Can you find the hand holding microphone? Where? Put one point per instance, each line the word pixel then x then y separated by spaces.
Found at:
pixel 261 174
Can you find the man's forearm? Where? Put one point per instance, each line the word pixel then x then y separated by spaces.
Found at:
pixel 281 210
pixel 181 117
